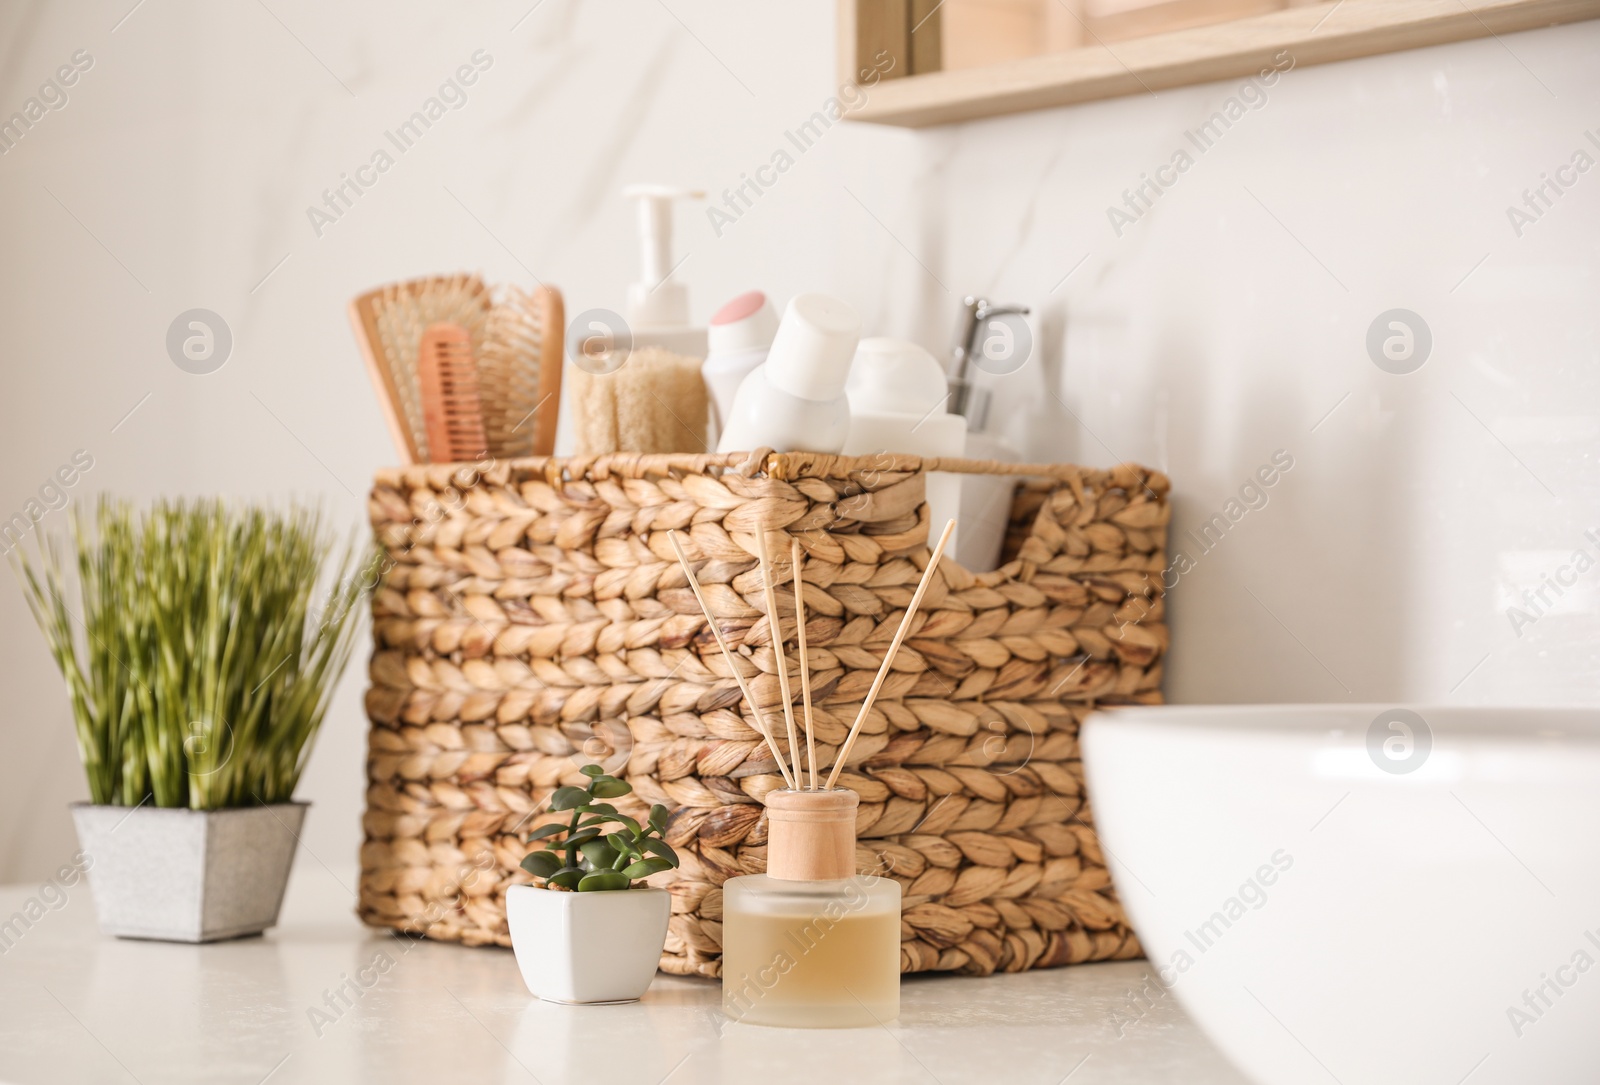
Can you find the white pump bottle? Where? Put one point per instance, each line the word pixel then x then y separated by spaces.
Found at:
pixel 658 306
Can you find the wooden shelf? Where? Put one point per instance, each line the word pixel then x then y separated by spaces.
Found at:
pixel 1314 34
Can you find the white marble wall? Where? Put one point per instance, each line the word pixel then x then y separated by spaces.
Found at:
pixel 1225 324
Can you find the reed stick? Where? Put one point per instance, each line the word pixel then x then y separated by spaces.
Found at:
pixel 805 665
pixel 894 647
pixel 776 628
pixel 716 631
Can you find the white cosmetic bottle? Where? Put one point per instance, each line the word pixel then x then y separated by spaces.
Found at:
pixel 658 306
pixel 898 399
pixel 795 401
pixel 737 340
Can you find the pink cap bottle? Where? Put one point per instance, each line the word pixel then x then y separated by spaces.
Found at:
pixel 737 340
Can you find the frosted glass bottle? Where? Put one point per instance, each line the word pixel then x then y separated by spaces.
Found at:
pixel 811 944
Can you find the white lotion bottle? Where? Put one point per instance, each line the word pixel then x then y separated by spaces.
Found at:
pixel 898 399
pixel 795 400
pixel 658 306
pixel 737 339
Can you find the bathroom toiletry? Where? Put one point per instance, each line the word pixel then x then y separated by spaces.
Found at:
pixel 810 943
pixel 519 371
pixel 795 401
pixel 515 336
pixel 966 398
pixel 986 504
pixel 389 323
pixel 658 307
pixel 447 379
pixel 737 340
pixel 898 397
pixel 985 499
pixel 656 402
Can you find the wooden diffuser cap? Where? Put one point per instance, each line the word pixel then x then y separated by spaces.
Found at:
pixel 811 835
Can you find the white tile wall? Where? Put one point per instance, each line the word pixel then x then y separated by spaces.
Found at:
pixel 1226 323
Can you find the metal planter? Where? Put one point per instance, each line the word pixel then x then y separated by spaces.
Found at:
pixel 188 875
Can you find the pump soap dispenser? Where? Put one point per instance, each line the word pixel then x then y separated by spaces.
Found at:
pixel 811 943
pixel 985 499
pixel 658 306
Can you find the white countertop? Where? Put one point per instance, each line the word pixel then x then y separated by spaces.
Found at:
pixel 76 1006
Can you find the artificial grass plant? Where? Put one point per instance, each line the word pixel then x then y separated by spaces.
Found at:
pixel 202 671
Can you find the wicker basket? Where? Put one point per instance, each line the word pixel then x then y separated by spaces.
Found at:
pixel 531 620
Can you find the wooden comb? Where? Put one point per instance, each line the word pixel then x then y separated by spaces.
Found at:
pixel 389 322
pixel 452 409
pixel 518 342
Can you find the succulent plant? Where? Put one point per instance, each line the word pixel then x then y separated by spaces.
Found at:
pixel 578 856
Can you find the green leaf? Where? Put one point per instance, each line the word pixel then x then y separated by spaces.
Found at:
pixel 597 808
pixel 658 818
pixel 568 877
pixel 592 770
pixel 661 848
pixel 600 881
pixel 566 798
pixel 599 852
pixel 541 864
pixel 545 830
pixel 609 787
pixel 646 867
pixel 581 837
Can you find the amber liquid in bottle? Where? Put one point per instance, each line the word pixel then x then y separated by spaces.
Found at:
pixel 811 954
pixel 803 952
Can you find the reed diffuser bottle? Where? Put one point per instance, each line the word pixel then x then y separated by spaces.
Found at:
pixel 811 943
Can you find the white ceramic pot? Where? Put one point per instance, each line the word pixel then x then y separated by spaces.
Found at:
pixel 182 875
pixel 1362 893
pixel 587 947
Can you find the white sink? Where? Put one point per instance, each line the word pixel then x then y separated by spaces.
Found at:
pixel 1339 894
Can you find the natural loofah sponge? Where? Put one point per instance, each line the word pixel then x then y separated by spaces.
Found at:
pixel 656 402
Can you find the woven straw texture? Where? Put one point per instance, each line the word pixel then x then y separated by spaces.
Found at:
pixel 531 619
